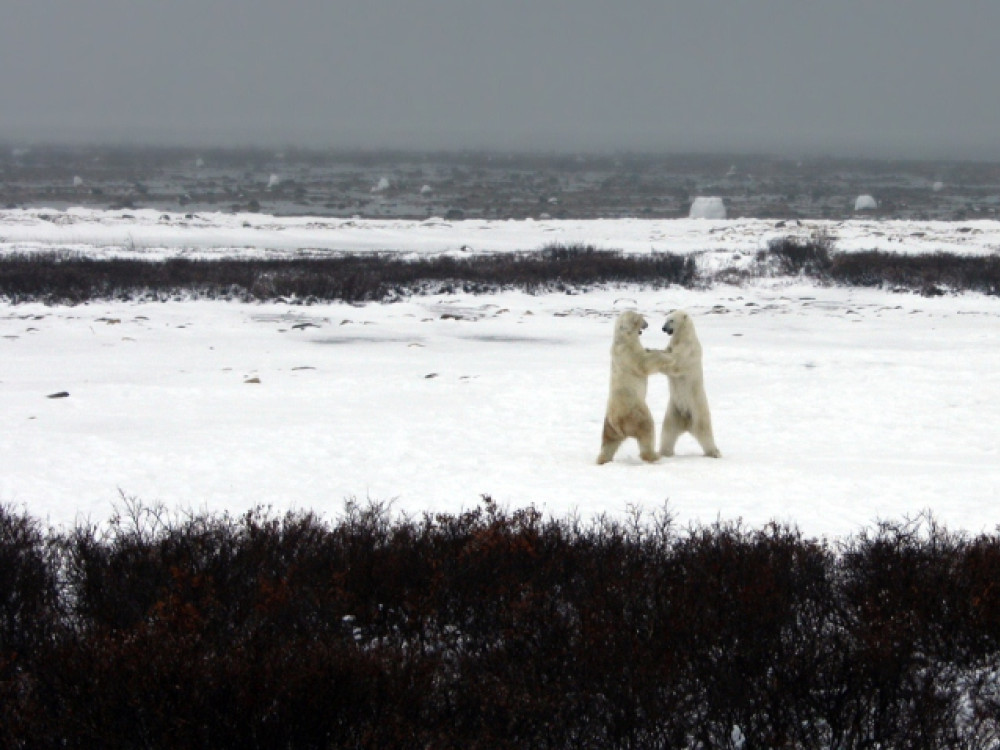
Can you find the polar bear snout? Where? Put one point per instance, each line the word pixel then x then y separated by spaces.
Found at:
pixel 675 321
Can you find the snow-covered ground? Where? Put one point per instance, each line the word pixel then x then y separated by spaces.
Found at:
pixel 833 407
pixel 153 234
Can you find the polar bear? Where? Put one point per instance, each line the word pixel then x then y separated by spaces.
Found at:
pixel 687 410
pixel 627 414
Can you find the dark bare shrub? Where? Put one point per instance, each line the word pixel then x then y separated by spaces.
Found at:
pixel 795 255
pixel 492 628
pixel 29 614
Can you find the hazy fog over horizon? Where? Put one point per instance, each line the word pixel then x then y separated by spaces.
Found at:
pixel 892 79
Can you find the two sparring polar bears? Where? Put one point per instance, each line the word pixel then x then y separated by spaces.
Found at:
pixel 628 415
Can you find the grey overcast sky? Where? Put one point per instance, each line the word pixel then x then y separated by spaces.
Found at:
pixel 883 78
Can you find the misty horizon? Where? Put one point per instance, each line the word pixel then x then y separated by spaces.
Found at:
pixel 209 141
pixel 896 80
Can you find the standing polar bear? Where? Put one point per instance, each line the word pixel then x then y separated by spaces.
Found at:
pixel 687 410
pixel 631 365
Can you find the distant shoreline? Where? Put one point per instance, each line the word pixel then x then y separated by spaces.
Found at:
pixel 473 184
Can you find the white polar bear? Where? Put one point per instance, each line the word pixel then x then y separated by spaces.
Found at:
pixel 687 410
pixel 631 365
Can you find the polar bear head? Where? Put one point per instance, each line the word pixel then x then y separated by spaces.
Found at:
pixel 677 321
pixel 630 324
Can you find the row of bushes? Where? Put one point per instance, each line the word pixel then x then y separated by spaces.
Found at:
pixel 58 278
pixel 61 278
pixel 930 274
pixel 493 628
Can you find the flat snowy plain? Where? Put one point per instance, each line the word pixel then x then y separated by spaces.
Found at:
pixel 833 407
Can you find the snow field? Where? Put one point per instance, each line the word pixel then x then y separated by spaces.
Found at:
pixel 146 233
pixel 832 407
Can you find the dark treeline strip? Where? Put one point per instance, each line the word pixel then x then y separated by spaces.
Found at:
pixel 65 278
pixel 58 278
pixel 493 628
pixel 929 274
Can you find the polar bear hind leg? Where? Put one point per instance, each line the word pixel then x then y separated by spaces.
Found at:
pixel 611 439
pixel 674 425
pixel 637 424
pixel 645 433
pixel 701 428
